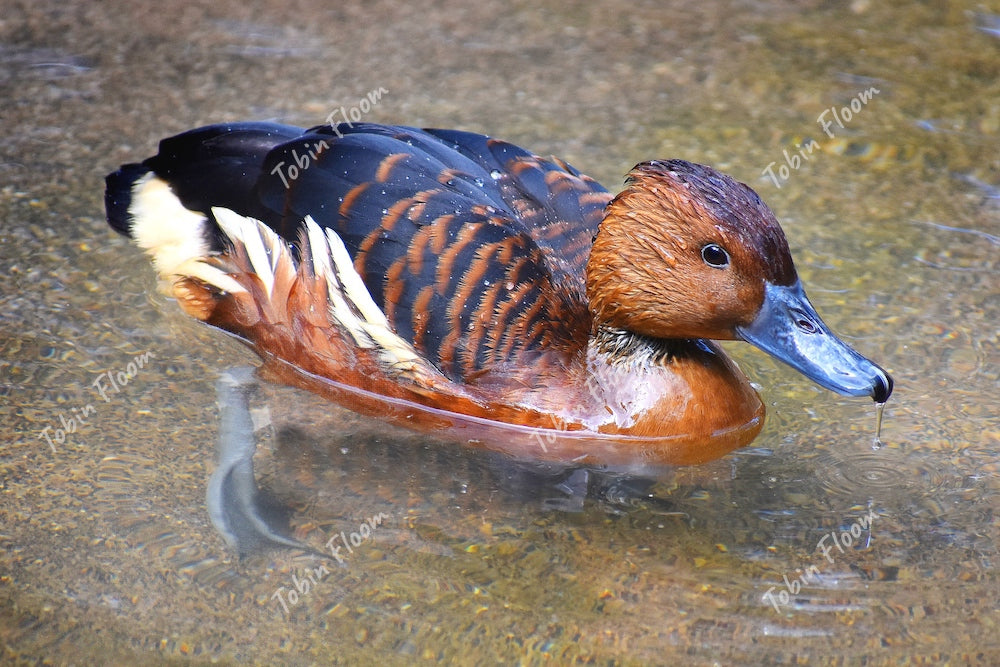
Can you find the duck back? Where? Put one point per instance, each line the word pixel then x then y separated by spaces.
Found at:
pixel 473 248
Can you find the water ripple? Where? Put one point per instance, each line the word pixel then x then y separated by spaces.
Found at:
pixel 856 474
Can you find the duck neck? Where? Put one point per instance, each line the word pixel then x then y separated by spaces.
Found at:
pixel 632 276
pixel 623 346
pixel 606 295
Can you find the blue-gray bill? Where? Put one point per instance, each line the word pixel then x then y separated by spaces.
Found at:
pixel 788 328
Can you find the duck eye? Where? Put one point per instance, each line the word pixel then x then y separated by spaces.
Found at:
pixel 715 256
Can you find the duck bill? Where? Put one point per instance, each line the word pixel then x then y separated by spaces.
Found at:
pixel 788 328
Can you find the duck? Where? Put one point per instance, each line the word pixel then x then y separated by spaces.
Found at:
pixel 458 284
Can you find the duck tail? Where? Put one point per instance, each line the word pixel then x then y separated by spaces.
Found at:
pixel 118 196
pixel 216 165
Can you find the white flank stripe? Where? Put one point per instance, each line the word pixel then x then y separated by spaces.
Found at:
pixel 340 310
pixel 392 349
pixel 354 287
pixel 251 233
pixel 176 238
pixel 321 258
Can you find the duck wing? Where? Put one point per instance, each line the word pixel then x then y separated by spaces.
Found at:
pixel 473 248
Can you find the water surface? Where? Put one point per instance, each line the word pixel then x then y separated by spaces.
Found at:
pixel 107 551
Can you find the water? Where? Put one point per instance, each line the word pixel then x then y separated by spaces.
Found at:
pixel 879 416
pixel 108 553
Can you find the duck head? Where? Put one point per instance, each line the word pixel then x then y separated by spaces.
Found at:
pixel 687 252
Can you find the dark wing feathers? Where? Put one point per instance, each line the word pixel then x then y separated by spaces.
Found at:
pixel 474 248
pixel 560 208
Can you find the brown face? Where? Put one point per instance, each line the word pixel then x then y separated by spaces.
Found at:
pixel 685 252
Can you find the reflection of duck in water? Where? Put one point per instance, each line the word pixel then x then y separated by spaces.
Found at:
pixel 251 517
pixel 447 278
